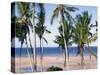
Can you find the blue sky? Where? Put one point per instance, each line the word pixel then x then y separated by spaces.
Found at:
pixel 53 28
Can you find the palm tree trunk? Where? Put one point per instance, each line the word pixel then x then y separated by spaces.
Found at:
pixel 30 43
pixel 20 57
pixel 32 51
pixel 68 54
pixel 34 48
pixel 89 55
pixel 41 54
pixel 35 56
pixel 65 57
pixel 29 55
pixel 82 57
pixel 67 63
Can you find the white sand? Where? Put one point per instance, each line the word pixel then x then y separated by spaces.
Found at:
pixel 57 61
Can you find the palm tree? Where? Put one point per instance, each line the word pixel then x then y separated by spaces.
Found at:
pixel 24 22
pixel 40 32
pixel 81 32
pixel 32 19
pixel 59 40
pixel 68 34
pixel 63 12
pixel 21 32
pixel 41 29
pixel 22 35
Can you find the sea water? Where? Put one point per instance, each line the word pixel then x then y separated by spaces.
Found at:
pixel 52 51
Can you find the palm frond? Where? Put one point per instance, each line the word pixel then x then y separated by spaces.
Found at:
pixel 53 17
pixel 71 9
pixel 47 31
pixel 45 40
pixel 91 51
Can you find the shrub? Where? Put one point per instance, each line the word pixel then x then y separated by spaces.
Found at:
pixel 52 68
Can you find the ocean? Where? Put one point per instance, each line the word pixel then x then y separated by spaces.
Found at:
pixel 51 51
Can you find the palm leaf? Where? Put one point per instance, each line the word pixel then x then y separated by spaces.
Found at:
pixel 47 31
pixel 71 9
pixel 45 40
pixel 91 51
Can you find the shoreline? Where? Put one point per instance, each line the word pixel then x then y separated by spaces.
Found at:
pixel 48 61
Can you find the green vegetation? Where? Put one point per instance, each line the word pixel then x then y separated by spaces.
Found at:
pixel 52 68
pixel 82 32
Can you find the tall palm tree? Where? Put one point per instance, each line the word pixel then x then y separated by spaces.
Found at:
pixel 32 19
pixel 17 28
pixel 41 29
pixel 21 32
pixel 63 12
pixel 22 35
pixel 68 34
pixel 24 22
pixel 81 32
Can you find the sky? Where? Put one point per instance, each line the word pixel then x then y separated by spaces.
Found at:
pixel 53 28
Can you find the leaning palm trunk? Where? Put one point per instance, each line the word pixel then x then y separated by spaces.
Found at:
pixel 29 55
pixel 66 52
pixel 65 57
pixel 31 48
pixel 34 48
pixel 65 45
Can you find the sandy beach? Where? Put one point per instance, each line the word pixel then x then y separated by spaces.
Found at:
pixel 49 61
